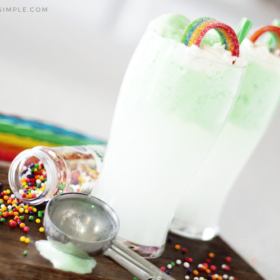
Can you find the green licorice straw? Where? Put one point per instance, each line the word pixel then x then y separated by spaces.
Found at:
pixel 243 29
pixel 269 38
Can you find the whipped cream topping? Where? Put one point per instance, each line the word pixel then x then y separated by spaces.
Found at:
pixel 259 51
pixel 217 52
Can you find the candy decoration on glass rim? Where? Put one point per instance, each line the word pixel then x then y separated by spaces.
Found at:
pixel 274 30
pixel 197 29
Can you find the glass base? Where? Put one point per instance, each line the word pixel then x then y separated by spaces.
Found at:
pixel 148 252
pixel 192 231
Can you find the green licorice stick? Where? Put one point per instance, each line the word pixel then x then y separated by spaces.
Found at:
pixel 243 29
pixel 269 38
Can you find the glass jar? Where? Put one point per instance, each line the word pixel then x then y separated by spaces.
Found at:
pixel 37 174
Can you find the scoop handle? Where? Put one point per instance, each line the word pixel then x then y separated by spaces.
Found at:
pixel 137 265
pixel 128 265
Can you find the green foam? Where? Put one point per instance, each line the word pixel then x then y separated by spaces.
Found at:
pixel 170 26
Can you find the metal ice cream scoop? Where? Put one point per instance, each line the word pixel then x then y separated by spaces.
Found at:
pixel 85 226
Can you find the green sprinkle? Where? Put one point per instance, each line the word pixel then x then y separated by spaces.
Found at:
pixel 1 202
pixel 135 278
pixel 172 263
pixel 25 253
pixel 1 213
pixel 40 215
pixel 31 218
pixel 2 220
pixel 21 218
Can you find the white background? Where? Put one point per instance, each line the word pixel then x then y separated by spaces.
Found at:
pixel 65 66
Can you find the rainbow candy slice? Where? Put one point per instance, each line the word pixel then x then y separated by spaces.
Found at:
pixel 197 29
pixel 275 31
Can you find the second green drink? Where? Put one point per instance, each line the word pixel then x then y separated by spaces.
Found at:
pixel 197 215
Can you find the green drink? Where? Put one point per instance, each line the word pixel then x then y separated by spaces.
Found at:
pixel 172 105
pixel 197 215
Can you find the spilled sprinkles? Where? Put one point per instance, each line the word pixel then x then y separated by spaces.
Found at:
pixel 202 271
pixel 16 212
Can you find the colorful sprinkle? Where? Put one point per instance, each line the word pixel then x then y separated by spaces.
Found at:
pixel 195 272
pixel 169 266
pixel 227 268
pixel 26 229
pixel 22 225
pixel 177 247
pixel 184 250
pixel 228 259
pixel 22 238
pixel 25 253
pixel 178 262
pixel 213 267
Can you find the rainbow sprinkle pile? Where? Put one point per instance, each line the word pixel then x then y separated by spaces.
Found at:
pixel 33 181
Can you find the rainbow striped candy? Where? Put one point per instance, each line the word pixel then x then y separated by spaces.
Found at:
pixel 275 31
pixel 197 29
pixel 18 134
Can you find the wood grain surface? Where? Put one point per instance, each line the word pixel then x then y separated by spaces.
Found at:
pixel 15 266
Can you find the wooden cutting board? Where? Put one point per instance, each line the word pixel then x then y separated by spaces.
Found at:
pixel 14 265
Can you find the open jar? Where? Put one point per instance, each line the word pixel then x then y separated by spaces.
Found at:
pixel 37 174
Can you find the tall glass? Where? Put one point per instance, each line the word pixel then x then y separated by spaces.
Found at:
pixel 171 107
pixel 197 215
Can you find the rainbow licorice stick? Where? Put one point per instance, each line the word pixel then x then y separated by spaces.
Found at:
pixel 274 30
pixel 197 29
